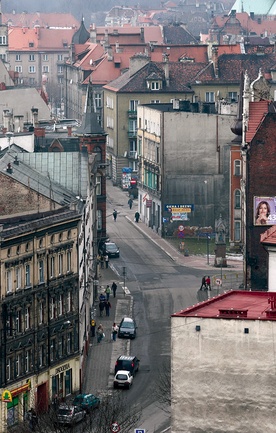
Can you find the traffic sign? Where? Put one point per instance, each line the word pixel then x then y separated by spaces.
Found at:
pixel 115 428
pixel 139 430
pixel 181 228
pixel 218 282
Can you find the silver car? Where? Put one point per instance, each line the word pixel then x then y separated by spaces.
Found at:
pixel 69 415
pixel 127 328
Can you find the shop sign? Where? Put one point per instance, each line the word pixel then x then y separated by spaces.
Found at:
pixel 6 396
pixel 62 368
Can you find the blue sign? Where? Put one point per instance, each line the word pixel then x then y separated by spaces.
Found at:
pixel 139 430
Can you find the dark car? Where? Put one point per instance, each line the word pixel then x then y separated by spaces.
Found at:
pixel 129 363
pixel 69 415
pixel 111 249
pixel 127 328
pixel 86 401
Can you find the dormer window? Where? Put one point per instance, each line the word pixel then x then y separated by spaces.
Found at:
pixel 154 84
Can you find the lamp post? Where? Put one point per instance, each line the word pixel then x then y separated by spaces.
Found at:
pixel 207 245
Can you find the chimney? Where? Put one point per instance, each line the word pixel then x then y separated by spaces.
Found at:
pixel 18 123
pixel 137 62
pixel 93 34
pixel 215 60
pixel 35 116
pixel 142 34
pixel 7 120
pixel 166 68
pixel 252 15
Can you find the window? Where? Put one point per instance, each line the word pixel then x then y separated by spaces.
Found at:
pixel 3 57
pixel 237 199
pixel 233 96
pixel 237 231
pixel 27 246
pixel 3 40
pixel 98 184
pixel 31 81
pixel 41 355
pixel 69 302
pixel 155 85
pixel 52 308
pixel 60 70
pixel 41 312
pixel 9 281
pixel 18 57
pixel 18 282
pixel 45 69
pixel 27 275
pixel 28 357
pixel 98 100
pixel 132 126
pixel 69 342
pixel 18 365
pixel 60 57
pixel 27 318
pixel 133 149
pixel 60 305
pixel 133 104
pixel 109 122
pixel 8 369
pixel 45 57
pixel 52 267
pixel 109 102
pixel 31 69
pixel 40 243
pixel 210 97
pixel 69 234
pixel 53 349
pixel 52 240
pixel 237 167
pixel 155 101
pixel 41 271
pixel 31 57
pixel 60 264
pixel 68 260
pixel 18 321
pixel 18 68
pixel 99 220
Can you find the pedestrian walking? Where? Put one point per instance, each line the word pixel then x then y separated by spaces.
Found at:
pixel 102 261
pixel 101 307
pixel 208 283
pixel 106 259
pixel 114 289
pixel 107 307
pixel 203 283
pixel 102 297
pixel 137 216
pixel 100 333
pixel 130 202
pixel 114 331
pixel 107 292
pixel 115 213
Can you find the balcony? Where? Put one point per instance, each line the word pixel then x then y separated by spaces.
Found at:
pixel 133 154
pixel 132 114
pixel 132 134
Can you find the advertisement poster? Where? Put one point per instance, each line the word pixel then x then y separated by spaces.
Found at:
pixel 179 212
pixel 264 211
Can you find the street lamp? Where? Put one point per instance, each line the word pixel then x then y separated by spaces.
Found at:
pixel 207 244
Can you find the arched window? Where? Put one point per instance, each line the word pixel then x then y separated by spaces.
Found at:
pixel 98 152
pixel 237 167
pixel 237 199
pixel 98 184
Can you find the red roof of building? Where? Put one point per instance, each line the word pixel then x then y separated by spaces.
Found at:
pixel 24 39
pixel 269 236
pixel 257 112
pixel 257 26
pixel 54 20
pixel 235 305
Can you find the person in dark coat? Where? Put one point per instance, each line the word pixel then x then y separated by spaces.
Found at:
pixel 137 216
pixel 114 289
pixel 130 202
pixel 101 307
pixel 107 306
pixel 115 213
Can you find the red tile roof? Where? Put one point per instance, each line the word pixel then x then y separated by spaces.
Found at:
pixel 248 24
pixel 46 39
pixel 257 112
pixel 62 20
pixel 237 305
pixel 269 236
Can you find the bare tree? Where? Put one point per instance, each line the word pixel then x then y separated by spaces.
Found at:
pixel 163 387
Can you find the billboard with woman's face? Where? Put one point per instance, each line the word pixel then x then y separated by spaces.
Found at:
pixel 264 211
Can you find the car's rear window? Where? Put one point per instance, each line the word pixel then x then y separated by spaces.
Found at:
pixel 121 376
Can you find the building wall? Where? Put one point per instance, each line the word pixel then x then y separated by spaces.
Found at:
pixel 261 182
pixel 222 378
pixel 17 198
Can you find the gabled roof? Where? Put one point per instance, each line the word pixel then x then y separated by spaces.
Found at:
pixel 231 65
pixel 248 24
pixel 180 76
pixel 178 35
pixel 235 305
pixel 24 39
pixel 257 113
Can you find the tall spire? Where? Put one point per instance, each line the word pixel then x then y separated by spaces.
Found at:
pixel 90 124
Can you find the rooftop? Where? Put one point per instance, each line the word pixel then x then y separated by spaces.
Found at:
pixel 235 305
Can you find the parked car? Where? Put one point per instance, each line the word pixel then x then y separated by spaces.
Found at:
pixel 111 249
pixel 86 401
pixel 129 363
pixel 123 379
pixel 127 328
pixel 69 414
